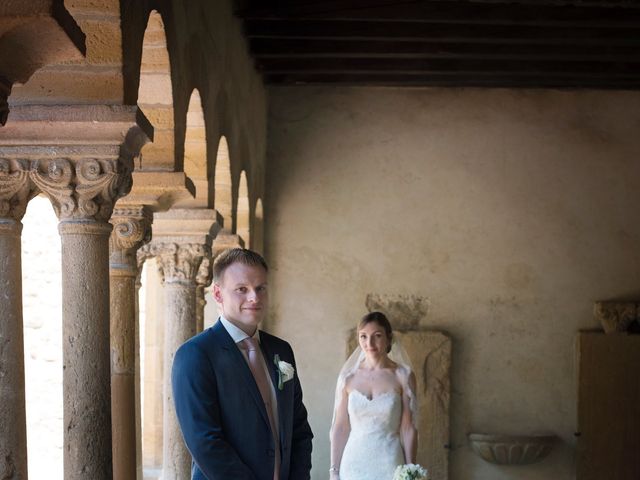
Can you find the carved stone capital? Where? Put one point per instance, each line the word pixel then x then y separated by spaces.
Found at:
pixel 83 189
pixel 179 263
pixel 616 317
pixel 205 272
pixel 15 188
pixel 131 229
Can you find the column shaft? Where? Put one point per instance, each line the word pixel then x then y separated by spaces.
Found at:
pixel 85 325
pixel 123 378
pixel 179 326
pixel 131 229
pixel 13 435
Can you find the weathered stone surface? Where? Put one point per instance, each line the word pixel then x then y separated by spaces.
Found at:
pixel 84 84
pixel 16 189
pixel 510 449
pixel 225 240
pixel 104 40
pixel 131 229
pixel 86 380
pixel 616 317
pixel 13 436
pixel 406 310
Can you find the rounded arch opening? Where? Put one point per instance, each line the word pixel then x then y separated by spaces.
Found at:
pixel 222 183
pixel 195 151
pixel 155 96
pixel 242 210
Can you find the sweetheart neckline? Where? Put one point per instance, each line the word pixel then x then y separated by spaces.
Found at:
pixel 383 394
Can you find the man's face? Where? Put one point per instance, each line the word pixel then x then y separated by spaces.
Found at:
pixel 242 295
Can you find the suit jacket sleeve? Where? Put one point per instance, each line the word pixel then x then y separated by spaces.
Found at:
pixel 301 436
pixel 195 396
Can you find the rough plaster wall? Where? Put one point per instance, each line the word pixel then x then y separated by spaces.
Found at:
pixel 511 211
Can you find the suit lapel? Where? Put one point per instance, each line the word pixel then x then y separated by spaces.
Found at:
pixel 239 364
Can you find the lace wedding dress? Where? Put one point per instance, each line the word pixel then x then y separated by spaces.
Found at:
pixel 373 449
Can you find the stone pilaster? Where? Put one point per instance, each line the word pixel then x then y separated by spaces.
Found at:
pixel 15 192
pixel 131 229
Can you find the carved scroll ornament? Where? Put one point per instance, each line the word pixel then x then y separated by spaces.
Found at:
pixel 86 189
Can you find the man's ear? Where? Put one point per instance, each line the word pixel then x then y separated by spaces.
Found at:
pixel 216 293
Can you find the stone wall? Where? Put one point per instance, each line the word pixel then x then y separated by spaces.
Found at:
pixel 508 212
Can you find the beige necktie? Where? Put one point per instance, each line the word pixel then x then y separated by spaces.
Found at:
pixel 260 376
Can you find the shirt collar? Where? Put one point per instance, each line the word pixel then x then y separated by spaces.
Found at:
pixel 236 333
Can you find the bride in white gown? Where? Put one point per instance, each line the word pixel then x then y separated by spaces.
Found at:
pixel 374 421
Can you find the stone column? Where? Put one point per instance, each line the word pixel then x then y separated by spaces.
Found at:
pixel 131 229
pixel 179 265
pixel 15 192
pixel 81 157
pixel 182 247
pixel 83 193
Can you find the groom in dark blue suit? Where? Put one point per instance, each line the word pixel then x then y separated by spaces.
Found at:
pixel 236 391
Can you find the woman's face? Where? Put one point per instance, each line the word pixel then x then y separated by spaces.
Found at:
pixel 373 339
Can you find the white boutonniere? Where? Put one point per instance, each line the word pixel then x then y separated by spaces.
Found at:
pixel 410 471
pixel 285 371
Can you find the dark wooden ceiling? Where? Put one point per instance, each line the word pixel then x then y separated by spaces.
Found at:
pixel 541 43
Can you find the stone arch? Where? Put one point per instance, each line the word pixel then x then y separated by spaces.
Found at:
pixel 222 183
pixel 155 96
pixel 242 210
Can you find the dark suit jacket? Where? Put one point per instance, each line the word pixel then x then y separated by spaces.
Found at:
pixel 223 418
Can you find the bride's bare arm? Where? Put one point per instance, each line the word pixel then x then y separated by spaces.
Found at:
pixel 339 434
pixel 408 431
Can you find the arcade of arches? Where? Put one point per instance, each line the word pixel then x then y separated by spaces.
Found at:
pixel 486 220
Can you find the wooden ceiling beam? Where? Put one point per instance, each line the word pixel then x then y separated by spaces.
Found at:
pixel 316 48
pixel 459 80
pixel 448 65
pixel 451 11
pixel 371 30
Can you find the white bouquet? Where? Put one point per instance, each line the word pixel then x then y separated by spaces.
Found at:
pixel 410 471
